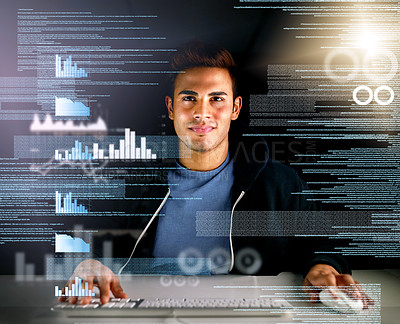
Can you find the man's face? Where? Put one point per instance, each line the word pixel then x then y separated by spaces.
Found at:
pixel 203 108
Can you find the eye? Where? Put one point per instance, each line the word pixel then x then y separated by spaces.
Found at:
pixel 217 99
pixel 189 98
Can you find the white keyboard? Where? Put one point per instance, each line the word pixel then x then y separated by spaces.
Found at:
pixel 168 307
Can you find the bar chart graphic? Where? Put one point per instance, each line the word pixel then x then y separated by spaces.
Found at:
pixel 67 107
pixel 68 70
pixel 127 150
pixel 23 271
pixel 67 206
pixel 68 244
pixel 77 290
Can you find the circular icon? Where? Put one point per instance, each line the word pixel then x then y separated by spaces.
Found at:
pixel 248 261
pixel 191 261
pixel 179 281
pixel 165 281
pixel 376 95
pixel 220 261
pixel 193 281
pixel 370 95
pixel 341 52
pixel 374 58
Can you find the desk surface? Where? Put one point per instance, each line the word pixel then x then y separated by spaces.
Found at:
pixel 30 301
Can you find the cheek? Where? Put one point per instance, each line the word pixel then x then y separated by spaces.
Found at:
pixel 180 121
pixel 224 116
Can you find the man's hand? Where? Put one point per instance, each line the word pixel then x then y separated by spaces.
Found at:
pixel 322 275
pixel 95 274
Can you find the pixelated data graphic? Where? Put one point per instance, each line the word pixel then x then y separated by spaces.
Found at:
pixel 78 289
pixel 65 69
pixel 85 139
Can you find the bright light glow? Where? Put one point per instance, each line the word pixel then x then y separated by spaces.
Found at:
pixel 368 40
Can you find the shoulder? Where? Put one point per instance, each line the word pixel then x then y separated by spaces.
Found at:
pixel 282 189
pixel 280 174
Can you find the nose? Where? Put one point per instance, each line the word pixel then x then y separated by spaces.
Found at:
pixel 202 110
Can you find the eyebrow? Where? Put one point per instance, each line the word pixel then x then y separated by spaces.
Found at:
pixel 217 93
pixel 194 93
pixel 188 92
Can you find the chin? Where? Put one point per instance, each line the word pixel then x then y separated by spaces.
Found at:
pixel 201 147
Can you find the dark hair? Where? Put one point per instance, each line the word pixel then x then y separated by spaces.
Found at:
pixel 198 54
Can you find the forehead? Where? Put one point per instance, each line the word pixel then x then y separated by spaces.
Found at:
pixel 204 79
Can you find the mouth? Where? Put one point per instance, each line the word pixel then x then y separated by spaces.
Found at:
pixel 201 129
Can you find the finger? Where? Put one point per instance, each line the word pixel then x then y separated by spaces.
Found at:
pixel 367 301
pixel 311 291
pixel 70 299
pixel 63 298
pixel 86 300
pixel 313 295
pixel 117 290
pixel 347 284
pixel 104 286
pixel 355 292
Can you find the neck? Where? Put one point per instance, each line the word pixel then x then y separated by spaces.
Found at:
pixel 203 161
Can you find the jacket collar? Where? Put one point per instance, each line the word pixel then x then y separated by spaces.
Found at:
pixel 250 156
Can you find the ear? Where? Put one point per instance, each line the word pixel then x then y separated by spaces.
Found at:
pixel 237 105
pixel 169 104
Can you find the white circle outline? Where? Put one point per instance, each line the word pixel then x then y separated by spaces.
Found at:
pixel 193 281
pixel 179 284
pixel 341 51
pixel 190 270
pixel 254 267
pixel 215 252
pixel 393 69
pixel 165 284
pixel 379 101
pixel 363 87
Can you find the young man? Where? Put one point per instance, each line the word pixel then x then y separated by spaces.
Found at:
pixel 222 175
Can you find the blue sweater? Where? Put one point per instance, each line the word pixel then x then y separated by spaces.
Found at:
pixel 193 192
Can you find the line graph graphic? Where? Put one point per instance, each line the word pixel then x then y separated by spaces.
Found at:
pixel 68 244
pixel 67 107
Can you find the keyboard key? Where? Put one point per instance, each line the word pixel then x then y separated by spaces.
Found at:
pixel 108 305
pixel 129 305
